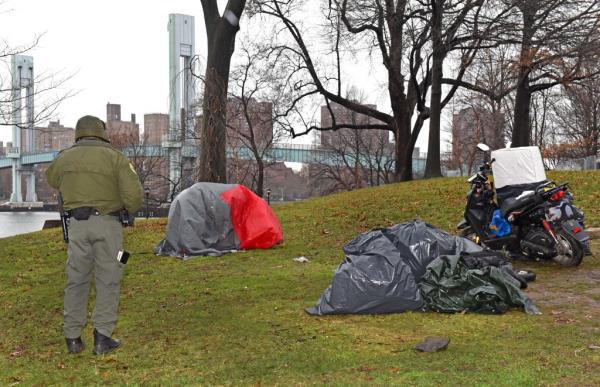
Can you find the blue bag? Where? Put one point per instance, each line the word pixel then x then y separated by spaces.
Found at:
pixel 499 226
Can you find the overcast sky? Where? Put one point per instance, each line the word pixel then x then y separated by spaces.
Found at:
pixel 117 51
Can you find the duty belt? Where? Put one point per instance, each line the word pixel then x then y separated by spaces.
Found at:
pixel 84 213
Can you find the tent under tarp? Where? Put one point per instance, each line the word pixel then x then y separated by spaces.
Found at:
pixel 214 219
pixel 384 268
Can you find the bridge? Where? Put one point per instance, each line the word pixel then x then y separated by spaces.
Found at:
pixel 293 153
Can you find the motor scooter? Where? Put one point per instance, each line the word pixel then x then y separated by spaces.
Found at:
pixel 539 224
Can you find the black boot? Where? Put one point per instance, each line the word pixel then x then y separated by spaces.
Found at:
pixel 75 345
pixel 104 344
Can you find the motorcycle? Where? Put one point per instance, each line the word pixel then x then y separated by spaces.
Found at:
pixel 539 224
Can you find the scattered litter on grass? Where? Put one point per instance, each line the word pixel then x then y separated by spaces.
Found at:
pixel 301 259
pixel 433 344
pixel 18 352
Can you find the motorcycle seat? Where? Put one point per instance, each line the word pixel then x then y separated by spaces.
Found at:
pixel 511 204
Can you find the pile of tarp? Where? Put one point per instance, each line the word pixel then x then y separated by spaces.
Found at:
pixel 214 219
pixel 414 266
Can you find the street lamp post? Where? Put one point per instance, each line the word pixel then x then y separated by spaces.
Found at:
pixel 147 193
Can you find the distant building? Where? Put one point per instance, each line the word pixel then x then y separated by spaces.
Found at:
pixel 477 125
pixel 156 125
pixel 121 133
pixel 53 137
pixel 2 150
pixel 261 121
pixel 345 116
pixel 471 126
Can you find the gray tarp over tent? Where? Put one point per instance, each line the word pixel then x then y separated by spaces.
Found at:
pixel 214 219
pixel 199 223
pixel 384 268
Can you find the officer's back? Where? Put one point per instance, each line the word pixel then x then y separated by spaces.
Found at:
pixel 96 182
pixel 94 174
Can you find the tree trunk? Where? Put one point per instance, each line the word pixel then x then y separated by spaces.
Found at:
pixel 403 152
pixel 433 166
pixel 402 139
pixel 521 125
pixel 212 161
pixel 221 32
pixel 261 178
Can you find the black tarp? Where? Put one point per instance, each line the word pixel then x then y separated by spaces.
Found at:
pixel 382 268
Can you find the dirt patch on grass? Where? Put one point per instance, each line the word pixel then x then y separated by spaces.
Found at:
pixel 570 289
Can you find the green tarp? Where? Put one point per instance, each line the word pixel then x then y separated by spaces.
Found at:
pixel 455 284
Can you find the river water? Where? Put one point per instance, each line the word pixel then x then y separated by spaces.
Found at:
pixel 14 223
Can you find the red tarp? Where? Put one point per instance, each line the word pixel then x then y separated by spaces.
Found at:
pixel 254 222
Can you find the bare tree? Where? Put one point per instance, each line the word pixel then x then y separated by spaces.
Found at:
pixel 354 159
pixel 482 115
pixel 454 24
pixel 578 117
pixel 394 33
pixel 253 98
pixel 49 90
pixel 554 39
pixel 221 31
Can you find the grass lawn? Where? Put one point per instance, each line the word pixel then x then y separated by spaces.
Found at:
pixel 239 319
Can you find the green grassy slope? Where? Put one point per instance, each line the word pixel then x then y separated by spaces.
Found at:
pixel 239 319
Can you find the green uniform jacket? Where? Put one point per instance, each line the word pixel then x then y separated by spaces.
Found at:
pixel 92 173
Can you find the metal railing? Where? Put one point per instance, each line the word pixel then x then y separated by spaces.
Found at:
pixel 279 152
pixel 589 163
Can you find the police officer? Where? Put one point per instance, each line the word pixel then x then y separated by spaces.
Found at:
pixel 96 182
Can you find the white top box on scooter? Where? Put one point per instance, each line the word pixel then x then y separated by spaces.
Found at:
pixel 515 166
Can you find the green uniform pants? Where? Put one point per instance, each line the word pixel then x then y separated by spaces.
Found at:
pixel 93 247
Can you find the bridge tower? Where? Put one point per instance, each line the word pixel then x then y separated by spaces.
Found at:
pixel 23 132
pixel 182 50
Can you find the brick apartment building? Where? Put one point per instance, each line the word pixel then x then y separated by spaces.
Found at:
pixel 53 137
pixel 156 125
pixel 261 122
pixel 121 133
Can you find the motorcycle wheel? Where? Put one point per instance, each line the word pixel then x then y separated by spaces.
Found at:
pixel 469 234
pixel 569 252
